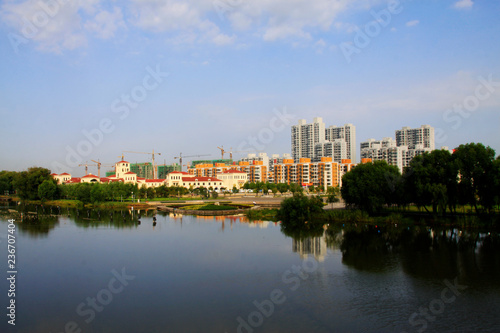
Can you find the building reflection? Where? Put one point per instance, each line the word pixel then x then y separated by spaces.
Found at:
pixel 315 246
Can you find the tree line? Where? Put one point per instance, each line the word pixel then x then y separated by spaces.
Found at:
pixel 36 183
pixel 438 180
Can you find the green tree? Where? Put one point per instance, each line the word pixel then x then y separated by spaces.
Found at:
pixel 26 183
pixel 333 195
pixel 7 181
pixel 97 193
pixel 369 186
pixel 83 191
pixel 282 187
pixel 47 190
pixel 476 170
pixel 143 192
pixel 151 193
pixel 235 189
pixel 294 188
pixel 431 179
pixel 299 209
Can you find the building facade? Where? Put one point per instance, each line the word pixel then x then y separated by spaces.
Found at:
pixel 399 152
pixel 415 138
pixel 315 141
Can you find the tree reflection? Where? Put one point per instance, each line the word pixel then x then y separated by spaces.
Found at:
pixel 421 251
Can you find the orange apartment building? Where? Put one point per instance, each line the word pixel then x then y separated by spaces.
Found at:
pixel 256 170
pixel 325 173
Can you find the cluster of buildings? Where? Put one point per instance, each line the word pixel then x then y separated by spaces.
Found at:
pixel 409 143
pixel 123 173
pixel 320 156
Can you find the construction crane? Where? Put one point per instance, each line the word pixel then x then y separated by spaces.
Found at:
pixel 152 157
pixel 180 158
pixel 99 167
pixel 222 151
pixel 87 167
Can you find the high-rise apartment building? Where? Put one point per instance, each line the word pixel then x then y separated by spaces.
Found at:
pixel 408 144
pixel 306 136
pixel 315 141
pixel 412 137
pixel 347 134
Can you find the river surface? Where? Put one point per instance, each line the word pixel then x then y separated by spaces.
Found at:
pixel 91 271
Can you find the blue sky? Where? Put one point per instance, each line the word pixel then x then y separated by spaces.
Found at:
pixel 205 73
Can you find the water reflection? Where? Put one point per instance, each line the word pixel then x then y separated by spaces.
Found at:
pixel 421 251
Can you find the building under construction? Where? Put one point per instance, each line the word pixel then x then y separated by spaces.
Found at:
pixel 164 170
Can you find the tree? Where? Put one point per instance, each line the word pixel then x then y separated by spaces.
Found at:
pixel 151 193
pixel 7 181
pixel 83 192
pixel 476 170
pixel 282 187
pixel 369 186
pixel 333 195
pixel 143 192
pixel 294 187
pixel 235 189
pixel 47 190
pixel 97 193
pixel 27 182
pixel 431 179
pixel 299 209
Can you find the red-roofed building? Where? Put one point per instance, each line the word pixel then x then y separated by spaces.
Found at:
pixel 75 180
pixel 129 177
pixel 90 178
pixel 206 182
pixel 62 178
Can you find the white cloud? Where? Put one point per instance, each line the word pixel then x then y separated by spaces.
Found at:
pixel 412 23
pixel 105 24
pixel 56 26
pixel 53 28
pixel 463 4
pixel 178 21
pixel 269 20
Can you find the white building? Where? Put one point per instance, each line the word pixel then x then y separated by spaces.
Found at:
pixel 315 141
pixel 233 178
pixel 413 137
pixel 408 144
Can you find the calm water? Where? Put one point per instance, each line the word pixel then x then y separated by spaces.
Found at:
pixel 189 274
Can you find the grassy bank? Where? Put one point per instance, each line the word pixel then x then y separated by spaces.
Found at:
pixel 262 214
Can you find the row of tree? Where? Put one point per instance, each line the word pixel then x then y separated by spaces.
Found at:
pixel 439 179
pixel 37 184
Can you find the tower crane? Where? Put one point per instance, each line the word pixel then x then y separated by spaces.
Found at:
pixel 222 151
pixel 180 158
pixel 87 167
pixel 99 167
pixel 152 157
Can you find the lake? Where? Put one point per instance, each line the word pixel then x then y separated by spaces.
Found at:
pixel 101 271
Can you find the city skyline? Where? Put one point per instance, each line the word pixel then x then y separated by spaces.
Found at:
pixel 190 77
